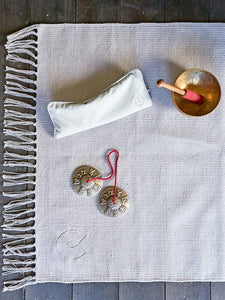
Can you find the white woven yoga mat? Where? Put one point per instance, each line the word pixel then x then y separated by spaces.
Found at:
pixel 171 166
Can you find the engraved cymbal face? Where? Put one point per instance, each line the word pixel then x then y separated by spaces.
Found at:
pixel 106 205
pixel 203 83
pixel 80 178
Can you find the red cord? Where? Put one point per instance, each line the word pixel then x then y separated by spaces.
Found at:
pixel 92 179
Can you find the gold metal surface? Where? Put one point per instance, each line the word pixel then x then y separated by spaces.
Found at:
pixel 203 83
pixel 106 205
pixel 80 177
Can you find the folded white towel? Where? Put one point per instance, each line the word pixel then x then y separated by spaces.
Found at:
pixel 124 97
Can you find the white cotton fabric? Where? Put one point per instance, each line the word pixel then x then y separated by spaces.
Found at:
pixel 171 165
pixel 126 96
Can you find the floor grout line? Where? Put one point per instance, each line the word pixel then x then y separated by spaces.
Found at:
pixel 71 291
pixel 210 291
pixel 164 5
pixel 164 290
pixel 119 11
pixel 24 293
pixel 75 13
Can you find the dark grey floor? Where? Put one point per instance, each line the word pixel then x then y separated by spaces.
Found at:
pixel 16 14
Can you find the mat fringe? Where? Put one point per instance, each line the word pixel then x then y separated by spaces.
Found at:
pixel 18 233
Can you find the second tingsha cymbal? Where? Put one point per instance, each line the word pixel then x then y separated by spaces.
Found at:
pixel 107 205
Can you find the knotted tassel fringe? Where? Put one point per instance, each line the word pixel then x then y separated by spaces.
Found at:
pixel 18 232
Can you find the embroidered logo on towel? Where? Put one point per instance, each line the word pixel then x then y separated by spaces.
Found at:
pixel 70 244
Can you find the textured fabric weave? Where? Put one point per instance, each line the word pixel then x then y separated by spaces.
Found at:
pixel 171 166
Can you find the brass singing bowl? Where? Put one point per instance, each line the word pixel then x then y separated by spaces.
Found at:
pixel 203 83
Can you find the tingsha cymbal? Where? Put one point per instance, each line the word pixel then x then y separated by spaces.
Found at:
pixel 80 178
pixel 108 207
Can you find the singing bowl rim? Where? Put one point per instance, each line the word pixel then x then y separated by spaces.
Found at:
pixel 198 116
